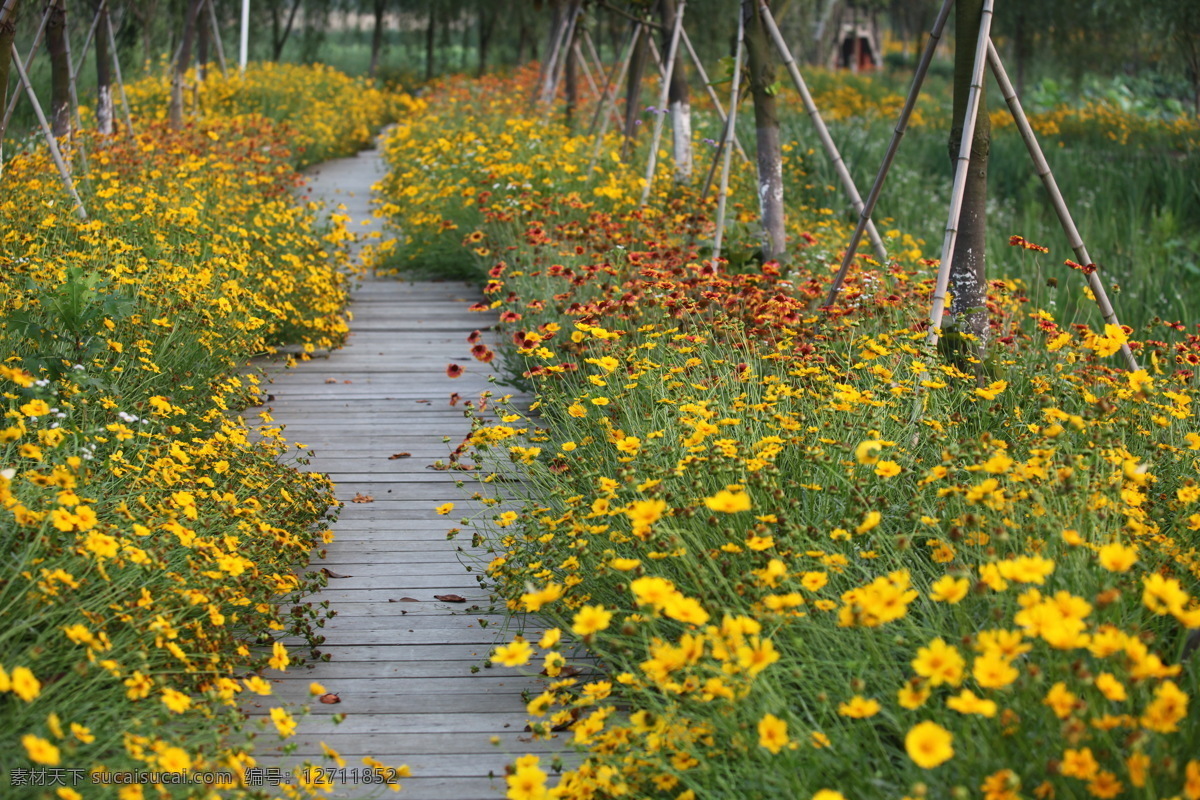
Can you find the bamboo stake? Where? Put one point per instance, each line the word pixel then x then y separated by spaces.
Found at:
pixel 730 124
pixel 6 9
pixel 960 175
pixel 116 60
pixel 587 70
pixel 55 153
pixel 87 42
pixel 935 34
pixel 590 44
pixel 658 60
pixel 637 28
pixel 611 81
pixel 827 142
pixel 1042 168
pixel 37 42
pixel 712 94
pixel 560 67
pixel 72 91
pixel 660 112
pixel 549 81
pixel 216 27
pixel 712 168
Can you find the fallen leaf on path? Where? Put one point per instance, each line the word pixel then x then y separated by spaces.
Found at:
pixel 394 456
pixel 405 600
pixel 450 598
pixel 331 380
pixel 329 698
pixel 328 573
pixel 362 498
pixel 424 401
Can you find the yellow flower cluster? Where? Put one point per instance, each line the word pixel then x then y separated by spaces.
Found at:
pixel 795 543
pixel 150 534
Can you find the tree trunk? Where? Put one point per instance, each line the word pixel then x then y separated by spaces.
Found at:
pixel 633 92
pixel 104 98
pixel 678 101
pixel 377 36
pixel 60 69
pixel 766 122
pixel 279 38
pixel 430 31
pixel 8 30
pixel 487 26
pixel 179 70
pixel 202 34
pixel 968 275
pixel 571 80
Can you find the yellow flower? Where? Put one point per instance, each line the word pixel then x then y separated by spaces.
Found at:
pixel 550 638
pixel 514 654
pixel 1110 687
pixel 1163 595
pixel 929 745
pixel 867 452
pixel 967 703
pixel 948 589
pixel 1079 764
pixel 1167 709
pixel 1061 700
pixel 625 564
pixel 39 750
pixel 279 657
pixel 174 759
pixel 534 601
pixel 939 663
pixel 527 781
pixel 913 695
pixel 1116 557
pixel 870 521
pixel 993 671
pixel 772 733
pixel 828 794
pixel 590 619
pixel 444 509
pixel 176 701
pixel 577 410
pixel 887 469
pixel 25 684
pixel 728 502
pixel 993 390
pixel 257 685
pixel 315 689
pixel 283 722
pixel 859 707
pixel 757 655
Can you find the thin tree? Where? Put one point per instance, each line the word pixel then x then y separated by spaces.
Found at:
pixel 678 101
pixel 380 8
pixel 8 30
pixel 763 88
pixel 182 59
pixel 968 275
pixel 281 30
pixel 633 90
pixel 60 69
pixel 104 98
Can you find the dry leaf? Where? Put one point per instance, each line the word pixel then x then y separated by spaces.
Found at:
pixel 427 402
pixel 394 456
pixel 331 380
pixel 328 573
pixel 362 498
pixel 454 398
pixel 406 600
pixel 450 598
pixel 329 698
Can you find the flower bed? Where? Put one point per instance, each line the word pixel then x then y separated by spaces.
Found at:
pixel 803 555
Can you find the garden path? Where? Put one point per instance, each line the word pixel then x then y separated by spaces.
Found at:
pixel 411 671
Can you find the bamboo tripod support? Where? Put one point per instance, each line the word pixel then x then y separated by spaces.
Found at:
pixel 37 42
pixel 935 34
pixel 612 99
pixel 960 176
pixel 712 94
pixel 116 60
pixel 1060 206
pixel 730 124
pixel 660 115
pixel 55 153
pixel 607 101
pixel 827 142
pixel 216 29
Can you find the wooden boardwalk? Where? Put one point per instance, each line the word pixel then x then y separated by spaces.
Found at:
pixel 411 671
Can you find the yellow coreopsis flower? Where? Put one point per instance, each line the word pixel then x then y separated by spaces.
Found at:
pixel 929 745
pixel 591 619
pixel 772 733
pixel 728 502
